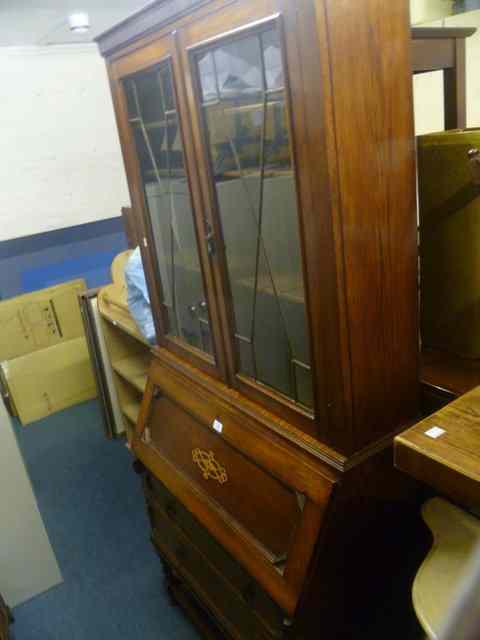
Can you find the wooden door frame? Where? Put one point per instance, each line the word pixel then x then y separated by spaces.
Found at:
pixel 327 381
pixel 153 54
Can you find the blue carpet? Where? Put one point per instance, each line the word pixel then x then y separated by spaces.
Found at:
pixel 93 509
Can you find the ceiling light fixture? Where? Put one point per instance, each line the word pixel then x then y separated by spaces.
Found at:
pixel 79 22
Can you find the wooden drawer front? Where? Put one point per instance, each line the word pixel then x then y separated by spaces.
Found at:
pixel 257 501
pixel 227 605
pixel 161 503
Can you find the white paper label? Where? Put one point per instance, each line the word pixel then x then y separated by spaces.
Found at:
pixel 435 432
pixel 218 426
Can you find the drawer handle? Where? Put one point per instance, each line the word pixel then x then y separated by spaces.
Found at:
pixel 209 467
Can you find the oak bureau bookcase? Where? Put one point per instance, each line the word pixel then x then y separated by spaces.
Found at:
pixel 269 151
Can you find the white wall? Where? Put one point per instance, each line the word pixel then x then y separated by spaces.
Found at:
pixel 428 87
pixel 428 10
pixel 27 562
pixel 60 156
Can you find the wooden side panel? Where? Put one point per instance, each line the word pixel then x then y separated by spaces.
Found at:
pixel 369 549
pixel 314 129
pixel 130 227
pixel 370 60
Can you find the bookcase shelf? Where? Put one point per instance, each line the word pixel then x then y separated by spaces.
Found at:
pixel 131 412
pixel 128 351
pixel 134 370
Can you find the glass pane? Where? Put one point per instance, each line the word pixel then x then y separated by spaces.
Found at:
pixel 273 60
pixel 245 119
pixel 209 86
pixel 154 120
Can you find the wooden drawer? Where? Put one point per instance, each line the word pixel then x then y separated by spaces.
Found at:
pixel 228 606
pixel 265 508
pixel 161 503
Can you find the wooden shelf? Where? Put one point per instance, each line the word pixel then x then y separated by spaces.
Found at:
pixel 186 259
pixel 131 330
pixel 155 124
pixel 448 372
pixel 287 287
pixel 128 351
pixel 131 412
pixel 176 174
pixel 134 369
pixel 112 302
pixel 248 108
pixel 255 173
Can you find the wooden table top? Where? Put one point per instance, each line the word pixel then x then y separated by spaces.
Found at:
pixel 443 450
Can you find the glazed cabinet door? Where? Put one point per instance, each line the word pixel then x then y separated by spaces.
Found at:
pixel 155 135
pixel 236 63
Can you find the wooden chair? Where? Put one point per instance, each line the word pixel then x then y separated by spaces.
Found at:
pixel 456 536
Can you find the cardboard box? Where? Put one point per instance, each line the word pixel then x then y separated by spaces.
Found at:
pixel 46 381
pixel 41 319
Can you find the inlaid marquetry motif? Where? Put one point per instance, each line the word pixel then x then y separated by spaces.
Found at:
pixel 209 467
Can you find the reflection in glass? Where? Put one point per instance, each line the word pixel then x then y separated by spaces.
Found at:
pixel 154 120
pixel 244 114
